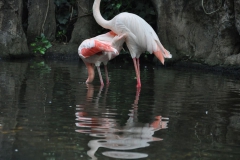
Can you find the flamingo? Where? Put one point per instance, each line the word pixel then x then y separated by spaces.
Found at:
pixel 100 49
pixel 140 35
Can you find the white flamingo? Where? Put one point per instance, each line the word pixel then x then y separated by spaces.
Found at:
pixel 140 35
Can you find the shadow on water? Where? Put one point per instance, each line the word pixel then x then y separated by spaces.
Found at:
pixel 48 112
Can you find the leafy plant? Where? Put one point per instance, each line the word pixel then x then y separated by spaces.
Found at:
pixel 41 44
pixel 61 35
pixel 66 16
pixel 142 8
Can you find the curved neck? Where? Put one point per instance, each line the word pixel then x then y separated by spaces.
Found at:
pixel 97 15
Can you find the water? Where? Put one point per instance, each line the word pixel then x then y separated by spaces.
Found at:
pixel 47 112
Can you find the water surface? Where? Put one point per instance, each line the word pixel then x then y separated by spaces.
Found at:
pixel 47 112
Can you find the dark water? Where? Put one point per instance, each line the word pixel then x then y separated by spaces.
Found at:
pixel 47 112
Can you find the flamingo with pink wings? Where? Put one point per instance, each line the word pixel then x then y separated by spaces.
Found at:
pixel 100 49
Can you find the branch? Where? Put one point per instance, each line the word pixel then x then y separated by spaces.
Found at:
pixel 82 16
pixel 212 11
pixel 45 18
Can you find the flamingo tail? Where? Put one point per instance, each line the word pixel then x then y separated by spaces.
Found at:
pixel 159 54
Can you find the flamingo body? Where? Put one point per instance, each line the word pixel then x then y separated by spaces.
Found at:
pixel 140 35
pixel 100 49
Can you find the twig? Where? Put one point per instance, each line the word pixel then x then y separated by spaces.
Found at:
pixel 71 14
pixel 212 11
pixel 45 18
pixel 82 16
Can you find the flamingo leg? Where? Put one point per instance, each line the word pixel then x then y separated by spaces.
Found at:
pixel 138 90
pixel 100 76
pixel 138 64
pixel 106 73
pixel 137 70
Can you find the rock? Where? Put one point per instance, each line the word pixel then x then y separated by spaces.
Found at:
pixel 85 27
pixel 68 51
pixel 12 77
pixel 13 45
pixel 187 31
pixel 237 14
pixel 41 19
pixel 13 42
pixel 233 60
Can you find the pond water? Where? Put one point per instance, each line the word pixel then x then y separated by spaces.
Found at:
pixel 47 112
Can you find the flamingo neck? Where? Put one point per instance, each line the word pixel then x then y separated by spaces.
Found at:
pixel 97 15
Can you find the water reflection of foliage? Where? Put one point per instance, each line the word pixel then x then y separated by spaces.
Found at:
pixel 40 67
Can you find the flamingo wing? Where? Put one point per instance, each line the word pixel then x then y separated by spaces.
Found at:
pixel 140 33
pixel 92 47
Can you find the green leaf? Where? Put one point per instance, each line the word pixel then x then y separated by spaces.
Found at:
pixel 45 41
pixel 33 44
pixel 36 39
pixel 38 48
pixel 43 49
pixel 118 5
pixel 42 52
pixel 48 45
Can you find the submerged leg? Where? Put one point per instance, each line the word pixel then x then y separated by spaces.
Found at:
pixel 100 75
pixel 106 73
pixel 138 65
pixel 137 70
pixel 138 90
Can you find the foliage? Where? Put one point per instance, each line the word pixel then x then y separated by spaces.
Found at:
pixel 61 35
pixel 41 44
pixel 142 8
pixel 40 67
pixel 66 16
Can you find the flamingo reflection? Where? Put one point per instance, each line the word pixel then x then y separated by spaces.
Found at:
pixel 111 135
